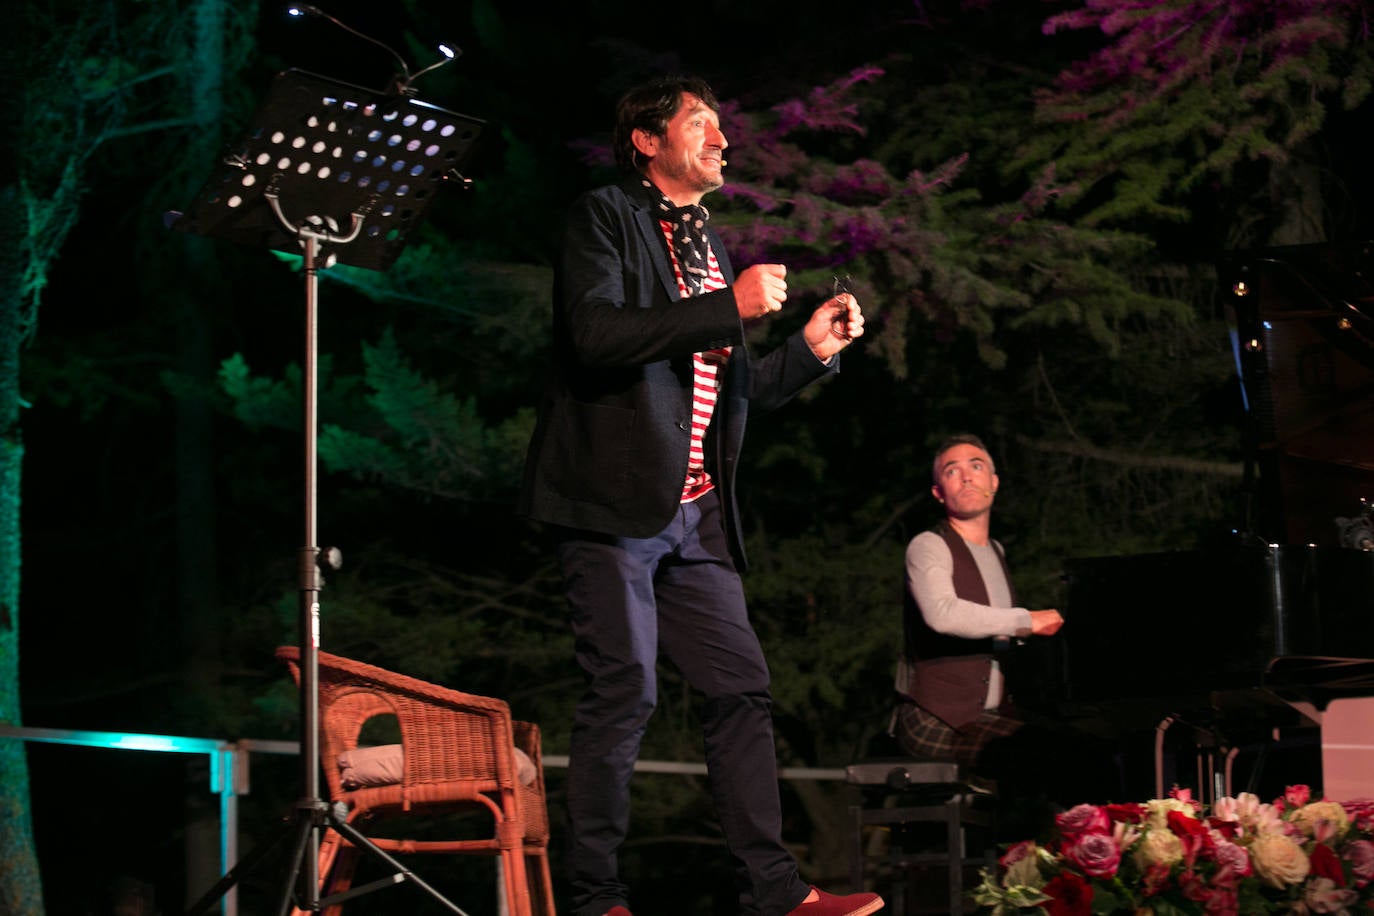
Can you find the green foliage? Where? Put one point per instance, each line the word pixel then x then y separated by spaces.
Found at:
pixel 822 603
pixel 404 429
pixel 1184 92
pixel 1006 901
pixel 392 422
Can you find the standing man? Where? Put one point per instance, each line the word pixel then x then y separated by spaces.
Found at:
pixel 633 463
pixel 958 602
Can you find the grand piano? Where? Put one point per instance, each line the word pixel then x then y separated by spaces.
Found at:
pixel 1241 642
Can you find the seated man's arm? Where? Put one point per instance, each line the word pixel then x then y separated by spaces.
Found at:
pixel 930 576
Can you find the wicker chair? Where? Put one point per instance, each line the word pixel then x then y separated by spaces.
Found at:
pixel 458 751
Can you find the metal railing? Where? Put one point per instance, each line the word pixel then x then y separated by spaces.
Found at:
pixel 229 772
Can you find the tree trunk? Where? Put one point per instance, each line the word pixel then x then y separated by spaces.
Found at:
pixel 194 301
pixel 21 892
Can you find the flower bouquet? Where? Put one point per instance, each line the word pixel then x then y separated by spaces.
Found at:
pixel 1171 856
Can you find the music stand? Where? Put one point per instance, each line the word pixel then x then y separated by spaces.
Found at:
pixel 317 148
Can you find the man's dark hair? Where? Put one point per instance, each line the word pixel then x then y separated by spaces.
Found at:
pixel 949 443
pixel 650 107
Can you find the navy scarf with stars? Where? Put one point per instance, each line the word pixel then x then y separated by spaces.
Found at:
pixel 689 238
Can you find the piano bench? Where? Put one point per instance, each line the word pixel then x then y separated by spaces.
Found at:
pixel 898 793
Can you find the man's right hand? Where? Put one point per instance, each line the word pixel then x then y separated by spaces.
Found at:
pixel 760 290
pixel 1045 623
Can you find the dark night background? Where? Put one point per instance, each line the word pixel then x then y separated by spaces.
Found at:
pixel 104 622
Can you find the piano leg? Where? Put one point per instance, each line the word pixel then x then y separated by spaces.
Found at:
pixel 1224 789
pixel 1215 761
pixel 1161 731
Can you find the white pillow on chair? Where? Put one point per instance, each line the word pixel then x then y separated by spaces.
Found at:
pixel 383 765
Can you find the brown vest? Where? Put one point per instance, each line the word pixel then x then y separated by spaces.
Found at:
pixel 949 674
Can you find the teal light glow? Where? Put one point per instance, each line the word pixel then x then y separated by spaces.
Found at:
pixel 148 743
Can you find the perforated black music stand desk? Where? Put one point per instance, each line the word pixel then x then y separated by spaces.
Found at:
pixel 333 150
pixel 319 154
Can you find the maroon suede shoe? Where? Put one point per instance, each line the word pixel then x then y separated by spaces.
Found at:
pixel 831 905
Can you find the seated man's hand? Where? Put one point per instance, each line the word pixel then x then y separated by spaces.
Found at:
pixel 1045 623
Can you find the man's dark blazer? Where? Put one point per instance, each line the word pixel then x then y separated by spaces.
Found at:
pixel 609 450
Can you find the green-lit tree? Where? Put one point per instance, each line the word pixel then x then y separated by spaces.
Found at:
pixel 92 76
pixel 68 106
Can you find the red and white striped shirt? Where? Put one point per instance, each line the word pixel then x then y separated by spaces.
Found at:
pixel 706 369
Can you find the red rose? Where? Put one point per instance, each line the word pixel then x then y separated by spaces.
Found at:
pixel 1155 880
pixel 1126 814
pixel 1196 838
pixel 1297 796
pixel 1228 829
pixel 1325 864
pixel 1185 825
pixel 1070 895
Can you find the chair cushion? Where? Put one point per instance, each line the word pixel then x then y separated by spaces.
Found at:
pixel 384 764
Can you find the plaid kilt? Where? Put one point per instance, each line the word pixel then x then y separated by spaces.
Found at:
pixel 923 734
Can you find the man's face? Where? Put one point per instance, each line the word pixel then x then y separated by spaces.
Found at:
pixel 965 481
pixel 685 162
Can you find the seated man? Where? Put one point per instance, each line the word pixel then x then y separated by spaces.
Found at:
pixel 959 605
pixel 960 610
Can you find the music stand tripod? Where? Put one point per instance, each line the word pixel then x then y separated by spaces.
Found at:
pixel 326 147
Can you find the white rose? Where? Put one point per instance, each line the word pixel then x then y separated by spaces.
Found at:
pixel 1308 817
pixel 1158 847
pixel 1278 860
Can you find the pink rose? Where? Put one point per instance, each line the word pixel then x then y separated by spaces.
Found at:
pixel 1083 819
pixel 1360 855
pixel 1095 854
pixel 1230 856
pixel 1297 796
pixel 1016 853
pixel 1361 813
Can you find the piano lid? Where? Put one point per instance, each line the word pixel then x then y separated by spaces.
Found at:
pixel 1303 332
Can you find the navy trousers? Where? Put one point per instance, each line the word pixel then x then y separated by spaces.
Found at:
pixel 678 592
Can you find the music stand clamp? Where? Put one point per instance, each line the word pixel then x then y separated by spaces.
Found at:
pixel 320 147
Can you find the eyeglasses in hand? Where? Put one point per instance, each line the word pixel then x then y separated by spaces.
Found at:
pixel 843 286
